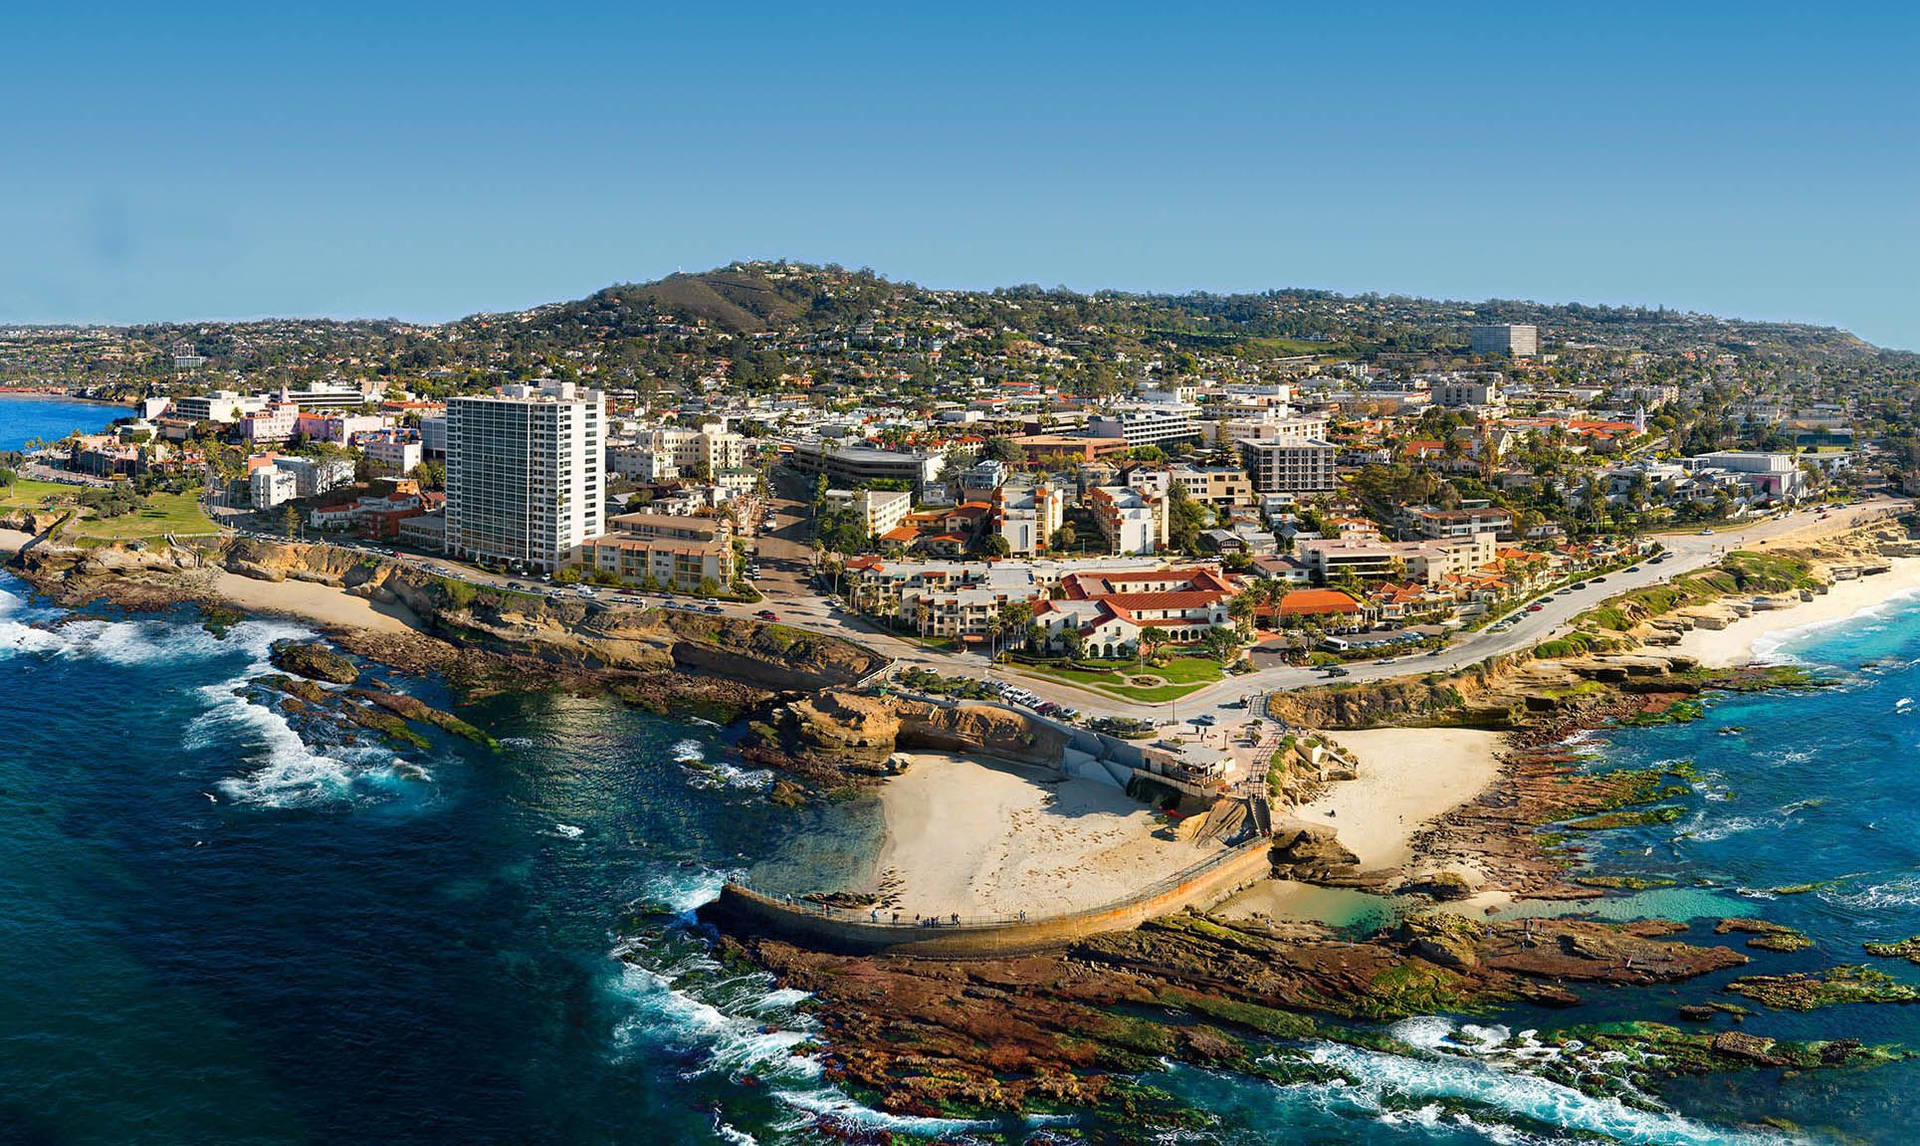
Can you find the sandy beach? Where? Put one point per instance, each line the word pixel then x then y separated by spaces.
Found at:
pixel 990 838
pixel 1407 776
pixel 323 605
pixel 1735 644
pixel 310 601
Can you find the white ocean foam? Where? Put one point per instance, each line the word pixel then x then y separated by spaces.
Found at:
pixel 720 774
pixel 1700 830
pixel 568 831
pixel 136 642
pixel 688 751
pixel 743 1024
pixel 1901 892
pixel 685 891
pixel 1387 1082
pixel 288 772
pixel 516 742
pixel 1772 647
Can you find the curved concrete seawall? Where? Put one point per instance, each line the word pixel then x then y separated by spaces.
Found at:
pixel 742 908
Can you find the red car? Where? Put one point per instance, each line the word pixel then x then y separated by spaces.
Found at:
pixel 767 615
pixel 1535 608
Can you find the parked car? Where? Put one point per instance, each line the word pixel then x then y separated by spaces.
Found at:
pixel 714 609
pixel 767 615
pixel 1336 670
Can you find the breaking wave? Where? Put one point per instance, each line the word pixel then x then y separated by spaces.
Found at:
pixel 1404 1089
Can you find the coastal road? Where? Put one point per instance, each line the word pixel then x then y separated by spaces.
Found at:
pixel 786 562
pixel 1686 552
pixel 785 558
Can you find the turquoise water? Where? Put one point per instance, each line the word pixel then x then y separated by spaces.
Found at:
pixel 1819 786
pixel 23 417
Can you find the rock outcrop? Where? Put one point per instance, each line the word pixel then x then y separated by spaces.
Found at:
pixel 313 661
pixel 842 735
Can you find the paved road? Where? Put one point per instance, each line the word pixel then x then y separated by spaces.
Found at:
pixel 785 559
pixel 1686 552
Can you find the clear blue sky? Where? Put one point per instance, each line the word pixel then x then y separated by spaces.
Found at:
pixel 178 161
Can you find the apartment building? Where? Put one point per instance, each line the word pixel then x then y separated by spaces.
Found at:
pixel 1445 524
pixel 678 563
pixel 1516 341
pixel 1028 516
pixel 524 480
pixel 315 476
pixel 1217 486
pixel 1330 558
pixel 1458 390
pixel 271 486
pixel 1148 424
pixel 672 453
pixel 1132 521
pixel 1282 465
pixel 673 526
pixel 392 453
pixel 878 510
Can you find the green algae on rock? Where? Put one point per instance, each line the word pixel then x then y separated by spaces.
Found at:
pixel 1806 992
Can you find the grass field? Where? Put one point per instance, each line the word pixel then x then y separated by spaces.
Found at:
pixel 161 514
pixel 26 493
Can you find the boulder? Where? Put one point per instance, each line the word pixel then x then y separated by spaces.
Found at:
pixel 1440 885
pixel 1309 845
pixel 313 661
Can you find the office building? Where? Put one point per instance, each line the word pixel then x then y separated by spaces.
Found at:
pixel 850 463
pixel 1149 424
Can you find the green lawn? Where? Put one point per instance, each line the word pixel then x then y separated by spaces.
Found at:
pixel 163 512
pixel 1184 675
pixel 25 493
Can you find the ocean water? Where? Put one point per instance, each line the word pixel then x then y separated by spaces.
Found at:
pixel 220 924
pixel 224 924
pixel 23 417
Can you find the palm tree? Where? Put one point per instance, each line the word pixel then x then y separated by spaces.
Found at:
pixel 1245 605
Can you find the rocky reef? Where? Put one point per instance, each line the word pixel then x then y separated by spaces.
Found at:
pixel 931 1037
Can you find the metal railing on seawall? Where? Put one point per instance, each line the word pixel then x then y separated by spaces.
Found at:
pixel 869 917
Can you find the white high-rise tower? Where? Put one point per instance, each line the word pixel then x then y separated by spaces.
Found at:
pixel 525 479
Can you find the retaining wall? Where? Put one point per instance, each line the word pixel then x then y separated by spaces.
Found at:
pixel 748 910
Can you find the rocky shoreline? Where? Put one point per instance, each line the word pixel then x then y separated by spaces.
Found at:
pixel 1074 1028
